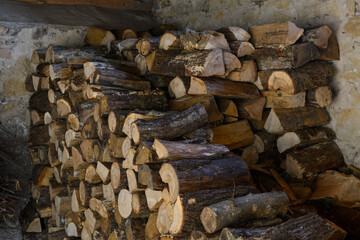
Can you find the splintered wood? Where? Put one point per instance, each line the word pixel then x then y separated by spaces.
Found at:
pixel 145 137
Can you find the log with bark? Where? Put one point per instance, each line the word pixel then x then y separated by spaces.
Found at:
pixel 247 72
pixel 289 119
pixel 233 33
pixel 208 101
pixel 251 109
pixel 198 63
pixel 233 135
pixel 311 75
pixel 304 163
pixel 291 57
pixel 275 35
pixel 242 209
pixel 310 226
pixel 96 36
pixel 241 48
pixel 319 36
pixel 222 88
pixel 319 97
pixel 279 99
pixel 304 137
pixel 218 173
pixel 171 126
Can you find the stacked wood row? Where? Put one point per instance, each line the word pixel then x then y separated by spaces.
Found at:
pixel 154 135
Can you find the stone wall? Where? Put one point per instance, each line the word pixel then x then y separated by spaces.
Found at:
pixel 17 42
pixel 342 16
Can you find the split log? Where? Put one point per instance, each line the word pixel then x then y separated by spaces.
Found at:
pixel 290 119
pixel 170 41
pixel 78 162
pixel 177 150
pixel 38 56
pixel 310 226
pixel 115 145
pixel 304 137
pixel 126 146
pixel 199 63
pixel 132 181
pixel 343 188
pixel 91 176
pixel 36 117
pixel 62 205
pixel 102 207
pixel 141 63
pixel 263 79
pixel 318 36
pixel 39 101
pixel 53 96
pixel 63 107
pixel 332 52
pixel 116 120
pixel 264 141
pixel 218 173
pixel 208 101
pixel 39 135
pixel 227 107
pixel 235 33
pixel 241 48
pixel 243 209
pixel 247 72
pixel 233 135
pixel 145 154
pixel 75 202
pixel 319 97
pixel 41 82
pixel 279 99
pixel 91 149
pixel 98 37
pixel 291 57
pixel 103 170
pixel 135 228
pixel 204 40
pixel 306 162
pixel 153 199
pixel 127 33
pixel 151 232
pixel 148 175
pixel 178 87
pixel 222 88
pixel 108 192
pixel 29 84
pixel 231 63
pixel 201 134
pixel 118 176
pixel 72 138
pixel 92 222
pixel 146 45
pixel 181 123
pixel 103 130
pixel 250 155
pixel 312 75
pixel 251 109
pixel 275 35
pixel 139 204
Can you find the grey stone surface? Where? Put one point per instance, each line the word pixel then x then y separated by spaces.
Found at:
pixel 343 17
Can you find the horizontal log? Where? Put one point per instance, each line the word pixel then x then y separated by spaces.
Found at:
pixel 279 99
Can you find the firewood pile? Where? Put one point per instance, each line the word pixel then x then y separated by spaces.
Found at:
pixel 170 134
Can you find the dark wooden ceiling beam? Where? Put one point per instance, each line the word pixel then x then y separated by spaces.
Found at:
pixel 118 4
pixel 80 15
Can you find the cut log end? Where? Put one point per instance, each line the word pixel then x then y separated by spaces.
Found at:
pixel 208 218
pixel 168 175
pixel 125 203
pixel 280 80
pixel 273 124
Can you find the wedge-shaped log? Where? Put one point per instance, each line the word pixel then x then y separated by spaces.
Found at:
pixel 178 87
pixel 251 109
pixel 227 107
pixel 319 36
pixel 311 75
pixel 170 127
pixel 275 35
pixel 177 150
pixel 304 137
pixel 204 40
pixel 199 63
pixel 343 188
pixel 291 57
pixel 235 33
pixel 222 88
pixel 243 209
pixel 308 161
pixel 310 226
pixel 98 37
pixel 332 52
pixel 289 119
pixel 183 176
pixel 279 99
pixel 39 101
pixel 247 72
pixel 233 135
pixel 264 141
pixel 241 49
pixel 208 101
